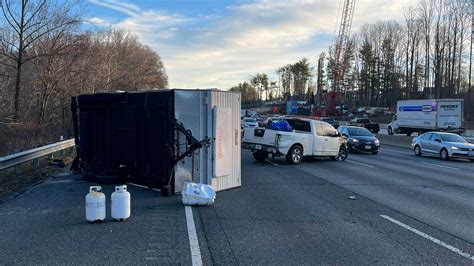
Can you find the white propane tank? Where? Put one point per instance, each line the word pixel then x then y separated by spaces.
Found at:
pixel 95 204
pixel 121 203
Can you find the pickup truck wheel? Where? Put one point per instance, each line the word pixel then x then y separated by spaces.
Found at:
pixel 390 131
pixel 260 156
pixel 295 154
pixel 341 156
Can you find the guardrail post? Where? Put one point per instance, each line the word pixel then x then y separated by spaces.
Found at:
pixel 17 169
pixel 35 162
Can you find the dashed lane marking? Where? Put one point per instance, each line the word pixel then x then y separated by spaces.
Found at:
pixel 435 240
pixel 363 164
pixel 442 166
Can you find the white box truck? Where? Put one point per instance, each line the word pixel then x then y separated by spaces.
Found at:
pixel 427 115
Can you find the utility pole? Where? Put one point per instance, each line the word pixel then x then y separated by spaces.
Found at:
pixel 470 98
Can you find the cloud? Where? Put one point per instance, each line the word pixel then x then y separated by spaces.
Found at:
pixel 122 7
pixel 225 48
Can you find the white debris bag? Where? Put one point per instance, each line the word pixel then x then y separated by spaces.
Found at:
pixel 197 194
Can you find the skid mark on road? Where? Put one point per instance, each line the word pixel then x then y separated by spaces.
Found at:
pixel 163 234
pixel 270 162
pixel 435 240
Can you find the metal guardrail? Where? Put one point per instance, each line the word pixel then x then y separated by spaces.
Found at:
pixel 25 156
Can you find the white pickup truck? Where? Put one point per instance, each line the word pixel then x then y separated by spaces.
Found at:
pixel 309 138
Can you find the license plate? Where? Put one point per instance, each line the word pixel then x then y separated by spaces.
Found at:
pixel 258 147
pixel 368 147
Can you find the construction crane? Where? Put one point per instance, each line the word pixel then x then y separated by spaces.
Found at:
pixel 338 69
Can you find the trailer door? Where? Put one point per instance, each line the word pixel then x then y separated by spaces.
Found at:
pixel 449 114
pixel 225 132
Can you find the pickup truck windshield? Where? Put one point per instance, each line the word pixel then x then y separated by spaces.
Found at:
pixel 250 120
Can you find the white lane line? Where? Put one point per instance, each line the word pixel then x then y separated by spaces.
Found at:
pixel 193 239
pixel 435 240
pixel 363 164
pixel 443 166
pixel 270 162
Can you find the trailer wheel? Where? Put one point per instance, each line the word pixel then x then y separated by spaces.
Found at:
pixel 260 156
pixel 295 154
pixel 390 131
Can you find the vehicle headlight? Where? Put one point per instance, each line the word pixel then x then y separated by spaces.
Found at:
pixel 354 140
pixel 377 142
pixel 454 148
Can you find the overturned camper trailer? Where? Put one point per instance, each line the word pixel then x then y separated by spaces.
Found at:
pixel 161 138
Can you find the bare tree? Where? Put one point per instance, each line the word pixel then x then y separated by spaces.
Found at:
pixel 28 21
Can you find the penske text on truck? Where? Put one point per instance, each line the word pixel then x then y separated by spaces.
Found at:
pixel 427 115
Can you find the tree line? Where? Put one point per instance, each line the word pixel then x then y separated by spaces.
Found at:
pixel 47 56
pixel 426 55
pixel 294 82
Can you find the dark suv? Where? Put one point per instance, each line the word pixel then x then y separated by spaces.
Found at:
pixel 330 120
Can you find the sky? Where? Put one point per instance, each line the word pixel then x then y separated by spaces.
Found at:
pixel 219 43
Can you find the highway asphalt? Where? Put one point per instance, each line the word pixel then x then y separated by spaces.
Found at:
pixel 304 214
pixel 390 208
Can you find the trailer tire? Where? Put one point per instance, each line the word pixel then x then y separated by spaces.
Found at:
pixel 260 156
pixel 295 154
pixel 390 131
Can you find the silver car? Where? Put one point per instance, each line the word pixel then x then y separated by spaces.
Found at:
pixel 445 145
pixel 249 122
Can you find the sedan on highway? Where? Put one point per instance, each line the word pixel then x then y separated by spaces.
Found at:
pixel 359 139
pixel 445 145
pixel 249 122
